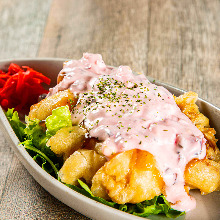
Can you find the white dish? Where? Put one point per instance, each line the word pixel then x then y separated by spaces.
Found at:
pixel 207 206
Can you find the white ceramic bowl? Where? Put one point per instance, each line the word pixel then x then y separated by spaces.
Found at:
pixel 208 207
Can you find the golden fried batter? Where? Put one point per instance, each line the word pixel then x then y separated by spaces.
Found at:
pixel 93 144
pixel 203 175
pixel 131 176
pixel 81 164
pixel 186 103
pixel 44 108
pixel 67 140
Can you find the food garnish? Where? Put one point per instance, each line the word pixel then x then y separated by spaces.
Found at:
pixel 20 87
pixel 121 140
pixel 34 139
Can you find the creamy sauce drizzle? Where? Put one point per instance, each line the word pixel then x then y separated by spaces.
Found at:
pixel 126 112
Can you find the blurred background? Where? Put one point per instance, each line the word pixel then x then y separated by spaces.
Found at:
pixel 174 41
pixel 177 42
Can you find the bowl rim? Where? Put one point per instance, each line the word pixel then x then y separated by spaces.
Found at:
pixel 30 164
pixel 60 59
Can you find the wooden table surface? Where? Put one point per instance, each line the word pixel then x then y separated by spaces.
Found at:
pixel 175 41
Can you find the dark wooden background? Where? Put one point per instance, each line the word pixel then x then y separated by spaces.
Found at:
pixel 174 41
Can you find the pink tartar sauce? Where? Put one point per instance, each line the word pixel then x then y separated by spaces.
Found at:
pixel 126 112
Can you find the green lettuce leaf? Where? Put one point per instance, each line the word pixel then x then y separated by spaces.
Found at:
pixel 61 117
pixel 87 192
pixel 42 159
pixel 157 205
pixel 16 124
pixel 33 137
pixel 37 138
pixel 36 133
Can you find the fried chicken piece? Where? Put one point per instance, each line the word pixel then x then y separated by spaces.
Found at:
pixel 44 108
pixel 131 176
pixel 186 103
pixel 212 151
pixel 203 175
pixel 81 164
pixel 66 141
pixel 94 144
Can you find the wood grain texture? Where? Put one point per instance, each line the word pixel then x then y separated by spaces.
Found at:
pixel 115 29
pixel 175 41
pixel 24 198
pixel 22 24
pixel 21 197
pixel 184 45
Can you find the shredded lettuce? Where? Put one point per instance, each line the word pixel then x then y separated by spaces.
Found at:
pixel 42 159
pixel 36 133
pixel 155 206
pixel 16 124
pixel 34 137
pixel 61 117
